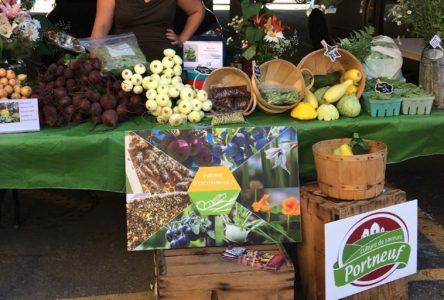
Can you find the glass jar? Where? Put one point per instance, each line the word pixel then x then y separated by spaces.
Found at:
pixel 431 73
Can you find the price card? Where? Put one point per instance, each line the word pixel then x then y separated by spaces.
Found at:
pixel 331 52
pixel 257 72
pixel 384 87
pixel 435 42
pixel 203 53
pixel 19 115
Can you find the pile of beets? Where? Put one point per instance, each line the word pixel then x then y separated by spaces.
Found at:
pixel 78 91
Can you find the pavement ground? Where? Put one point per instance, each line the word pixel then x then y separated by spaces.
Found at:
pixel 72 244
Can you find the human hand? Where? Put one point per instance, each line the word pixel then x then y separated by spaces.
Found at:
pixel 174 38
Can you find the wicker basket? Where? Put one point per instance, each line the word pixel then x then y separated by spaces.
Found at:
pixel 280 73
pixel 353 177
pixel 229 76
pixel 319 64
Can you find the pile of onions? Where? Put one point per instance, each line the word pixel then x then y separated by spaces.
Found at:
pixel 78 91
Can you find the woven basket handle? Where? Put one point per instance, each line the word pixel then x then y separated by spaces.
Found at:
pixel 252 105
pixel 312 78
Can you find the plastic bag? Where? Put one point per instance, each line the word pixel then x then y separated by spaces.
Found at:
pixel 116 52
pixel 278 94
pixel 229 98
pixel 385 59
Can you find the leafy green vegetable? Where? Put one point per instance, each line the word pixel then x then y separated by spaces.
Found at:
pixel 358 145
pixel 279 95
pixel 381 96
pixel 359 43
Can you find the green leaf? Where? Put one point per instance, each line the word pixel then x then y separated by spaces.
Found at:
pixel 195 227
pixel 276 209
pixel 253 34
pixel 250 9
pixel 211 234
pixel 249 53
pixel 278 226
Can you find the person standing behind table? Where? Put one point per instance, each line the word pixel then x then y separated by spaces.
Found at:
pixel 150 20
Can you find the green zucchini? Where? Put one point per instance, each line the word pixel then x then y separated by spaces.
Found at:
pixel 321 81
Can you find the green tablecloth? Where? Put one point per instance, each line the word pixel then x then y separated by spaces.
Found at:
pixel 78 157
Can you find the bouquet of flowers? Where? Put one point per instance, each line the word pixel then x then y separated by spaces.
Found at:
pixel 423 18
pixel 260 34
pixel 18 30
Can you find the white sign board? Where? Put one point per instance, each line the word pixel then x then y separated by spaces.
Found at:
pixel 19 115
pixel 203 53
pixel 370 249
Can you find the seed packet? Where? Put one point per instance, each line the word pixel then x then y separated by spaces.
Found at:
pixel 227 118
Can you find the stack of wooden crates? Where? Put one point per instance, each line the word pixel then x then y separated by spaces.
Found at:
pixel 317 210
pixel 202 274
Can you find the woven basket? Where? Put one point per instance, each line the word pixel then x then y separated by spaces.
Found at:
pixel 319 64
pixel 229 76
pixel 280 73
pixel 353 177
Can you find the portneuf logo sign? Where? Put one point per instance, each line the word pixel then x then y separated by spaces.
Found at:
pixel 374 248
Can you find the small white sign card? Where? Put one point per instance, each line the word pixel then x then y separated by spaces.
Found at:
pixel 19 115
pixel 203 53
pixel 370 249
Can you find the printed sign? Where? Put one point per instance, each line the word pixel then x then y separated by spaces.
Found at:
pixel 212 187
pixel 332 52
pixel 435 42
pixel 384 87
pixel 203 53
pixel 370 249
pixel 19 115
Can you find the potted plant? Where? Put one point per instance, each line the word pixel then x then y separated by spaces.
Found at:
pixel 424 19
pixel 260 34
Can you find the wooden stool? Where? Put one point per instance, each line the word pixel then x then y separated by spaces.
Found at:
pixel 317 210
pixel 201 274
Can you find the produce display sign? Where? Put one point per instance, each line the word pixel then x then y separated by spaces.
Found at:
pixel 203 53
pixel 19 115
pixel 370 249
pixel 212 187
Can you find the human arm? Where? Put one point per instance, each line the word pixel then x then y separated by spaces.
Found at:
pixel 195 11
pixel 104 18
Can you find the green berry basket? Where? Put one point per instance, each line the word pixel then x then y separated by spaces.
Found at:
pixel 419 105
pixel 382 108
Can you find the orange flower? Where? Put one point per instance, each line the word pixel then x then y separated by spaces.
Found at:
pixel 262 205
pixel 257 20
pixel 290 207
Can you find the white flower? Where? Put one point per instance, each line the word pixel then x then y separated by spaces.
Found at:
pixel 399 23
pixel 279 154
pixel 409 12
pixel 274 37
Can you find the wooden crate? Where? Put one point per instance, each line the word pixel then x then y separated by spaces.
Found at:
pixel 317 210
pixel 201 274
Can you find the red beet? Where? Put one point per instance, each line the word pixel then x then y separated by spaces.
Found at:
pixel 96 119
pixel 117 85
pixel 60 82
pixel 92 95
pixel 60 70
pixel 135 101
pixel 95 109
pixel 77 117
pixel 110 117
pixel 65 101
pixel 50 115
pixel 122 112
pixel 68 113
pixel 108 101
pixel 85 106
pixel 96 64
pixel 86 68
pixel 68 73
pixel 52 68
pixel 94 77
pixel 60 92
pixel 84 79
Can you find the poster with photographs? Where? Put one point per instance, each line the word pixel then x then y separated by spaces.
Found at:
pixel 212 187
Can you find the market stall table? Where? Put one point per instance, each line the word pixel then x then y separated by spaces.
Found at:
pixel 80 157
